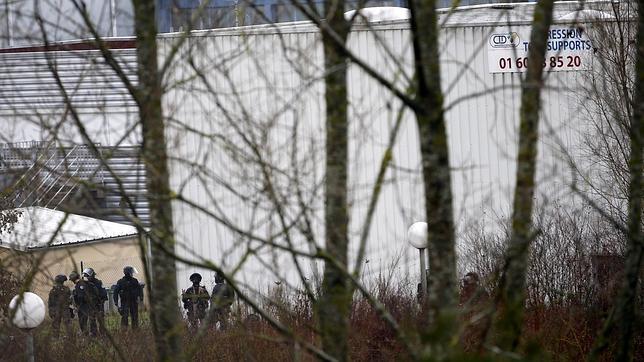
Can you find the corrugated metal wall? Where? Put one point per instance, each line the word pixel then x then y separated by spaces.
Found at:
pixel 264 84
pixel 32 103
pixel 33 108
pixel 251 120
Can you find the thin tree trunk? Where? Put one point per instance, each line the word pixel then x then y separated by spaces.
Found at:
pixel 628 296
pixel 335 302
pixel 165 313
pixel 623 316
pixel 512 297
pixel 429 113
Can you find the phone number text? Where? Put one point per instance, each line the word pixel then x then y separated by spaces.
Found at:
pixel 559 61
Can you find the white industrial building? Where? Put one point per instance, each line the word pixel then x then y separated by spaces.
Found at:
pixel 258 95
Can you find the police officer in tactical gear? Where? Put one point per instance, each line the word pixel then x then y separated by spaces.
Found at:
pixel 83 297
pixel 223 297
pixel 96 297
pixel 195 301
pixel 59 310
pixel 128 290
pixel 473 300
pixel 472 292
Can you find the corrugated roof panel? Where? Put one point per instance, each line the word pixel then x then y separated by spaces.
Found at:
pixel 40 227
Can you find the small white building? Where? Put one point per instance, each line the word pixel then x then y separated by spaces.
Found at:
pixel 52 242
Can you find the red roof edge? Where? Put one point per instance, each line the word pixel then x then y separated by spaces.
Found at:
pixel 81 45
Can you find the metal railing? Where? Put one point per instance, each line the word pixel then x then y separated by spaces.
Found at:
pixel 47 171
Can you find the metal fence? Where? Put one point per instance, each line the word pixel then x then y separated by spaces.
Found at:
pixel 43 174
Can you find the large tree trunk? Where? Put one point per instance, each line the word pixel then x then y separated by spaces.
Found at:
pixel 335 302
pixel 512 297
pixel 165 313
pixel 436 176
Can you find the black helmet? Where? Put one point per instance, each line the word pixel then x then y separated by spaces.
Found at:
pixel 471 278
pixel 195 277
pixel 60 278
pixel 128 270
pixel 219 278
pixel 73 276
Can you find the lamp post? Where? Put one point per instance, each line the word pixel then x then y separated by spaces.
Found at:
pixel 28 315
pixel 417 237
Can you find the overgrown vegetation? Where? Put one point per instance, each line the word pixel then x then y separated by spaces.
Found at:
pixel 558 332
pixel 9 287
pixel 546 287
pixel 567 304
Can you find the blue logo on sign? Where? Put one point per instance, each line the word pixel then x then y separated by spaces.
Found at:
pixel 504 40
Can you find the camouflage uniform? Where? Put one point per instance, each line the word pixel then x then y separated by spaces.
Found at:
pixel 59 310
pixel 195 301
pixel 223 297
pixel 473 300
pixel 96 310
pixel 85 295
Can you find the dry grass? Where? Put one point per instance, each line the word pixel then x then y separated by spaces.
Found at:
pixel 558 333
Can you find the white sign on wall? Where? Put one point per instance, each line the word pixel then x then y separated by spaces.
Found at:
pixel 568 49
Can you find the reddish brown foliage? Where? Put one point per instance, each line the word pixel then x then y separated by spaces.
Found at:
pixel 562 333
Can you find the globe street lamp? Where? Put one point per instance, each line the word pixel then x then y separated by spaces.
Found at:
pixel 28 312
pixel 417 237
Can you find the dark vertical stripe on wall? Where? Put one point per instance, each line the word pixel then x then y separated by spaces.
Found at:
pixel 164 15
